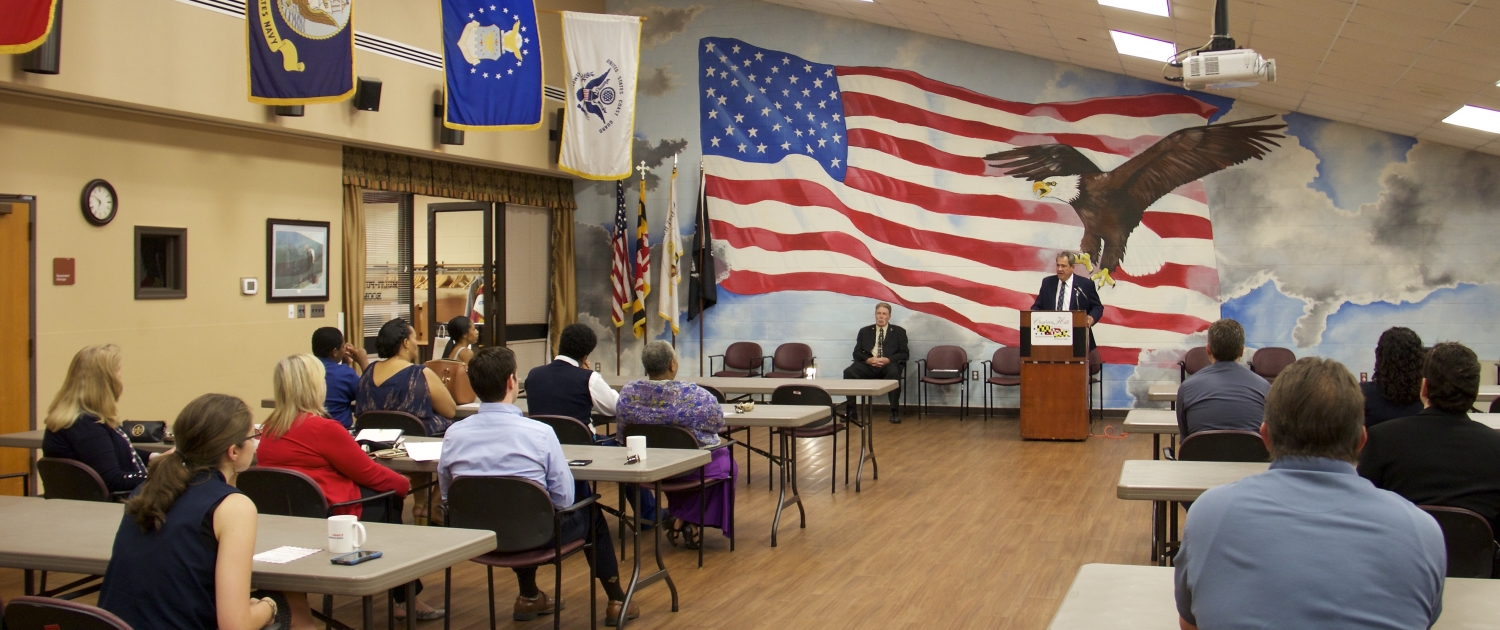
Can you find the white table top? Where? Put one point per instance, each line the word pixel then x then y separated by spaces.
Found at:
pixel 730 386
pixel 1167 392
pixel 775 416
pixel 1166 480
pixel 1164 421
pixel 1130 597
pixel 608 463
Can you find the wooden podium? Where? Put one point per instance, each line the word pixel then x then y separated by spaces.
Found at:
pixel 1054 375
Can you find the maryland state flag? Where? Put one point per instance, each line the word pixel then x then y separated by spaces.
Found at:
pixel 301 51
pixel 24 24
pixel 493 62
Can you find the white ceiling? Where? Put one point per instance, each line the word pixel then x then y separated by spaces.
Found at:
pixel 1395 65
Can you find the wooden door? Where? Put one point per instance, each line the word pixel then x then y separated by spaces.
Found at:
pixel 16 333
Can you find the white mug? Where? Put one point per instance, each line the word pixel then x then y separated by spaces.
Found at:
pixel 345 533
pixel 636 445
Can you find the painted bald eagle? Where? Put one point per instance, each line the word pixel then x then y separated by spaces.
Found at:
pixel 1111 204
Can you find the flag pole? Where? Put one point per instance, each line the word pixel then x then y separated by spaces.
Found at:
pixel 646 312
pixel 676 239
pixel 697 229
pixel 617 350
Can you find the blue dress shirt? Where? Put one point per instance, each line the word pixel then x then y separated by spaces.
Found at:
pixel 343 385
pixel 498 441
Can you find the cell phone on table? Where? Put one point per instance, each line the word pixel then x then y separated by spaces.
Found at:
pixel 580 462
pixel 351 559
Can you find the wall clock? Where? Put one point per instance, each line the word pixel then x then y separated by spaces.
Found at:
pixel 99 202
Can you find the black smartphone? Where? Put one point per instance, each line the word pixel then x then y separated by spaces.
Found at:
pixel 580 462
pixel 351 559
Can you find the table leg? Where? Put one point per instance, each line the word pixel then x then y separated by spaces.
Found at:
pixel 866 441
pixel 448 597
pixel 636 581
pixel 411 604
pixel 1155 446
pixel 661 567
pixel 1169 550
pixel 367 607
pixel 390 612
pixel 781 498
pixel 791 459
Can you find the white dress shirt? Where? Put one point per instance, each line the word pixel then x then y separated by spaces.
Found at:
pixel 498 441
pixel 604 396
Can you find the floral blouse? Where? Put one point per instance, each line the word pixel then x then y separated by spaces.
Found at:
pixel 673 403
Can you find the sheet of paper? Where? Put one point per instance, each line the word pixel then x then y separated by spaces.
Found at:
pixel 424 451
pixel 379 435
pixel 283 555
pixel 729 410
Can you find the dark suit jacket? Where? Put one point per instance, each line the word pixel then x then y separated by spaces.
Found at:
pixel 1084 298
pixel 1436 458
pixel 894 349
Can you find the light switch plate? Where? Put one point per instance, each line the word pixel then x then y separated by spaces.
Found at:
pixel 317 310
pixel 301 311
pixel 291 311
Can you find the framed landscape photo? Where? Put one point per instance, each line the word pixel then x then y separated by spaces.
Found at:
pixel 296 261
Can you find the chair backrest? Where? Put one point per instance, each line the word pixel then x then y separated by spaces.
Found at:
pixel 283 492
pixel 1096 361
pixel 662 435
pixel 719 396
pixel 1470 542
pixel 71 479
pixel 946 359
pixel 407 423
pixel 1495 406
pixel 743 356
pixel 568 430
pixel 43 613
pixel 1195 359
pixel 1006 361
pixel 1268 362
pixel 804 394
pixel 1223 446
pixel 518 510
pixel 791 357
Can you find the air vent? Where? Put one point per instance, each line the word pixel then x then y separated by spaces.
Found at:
pixel 555 93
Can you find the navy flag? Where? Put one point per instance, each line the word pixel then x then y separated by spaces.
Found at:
pixel 301 51
pixel 493 62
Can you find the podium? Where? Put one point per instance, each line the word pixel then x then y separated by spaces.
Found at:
pixel 1054 375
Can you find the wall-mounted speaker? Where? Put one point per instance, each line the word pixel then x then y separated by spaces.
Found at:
pixel 47 58
pixel 367 94
pixel 291 111
pixel 446 135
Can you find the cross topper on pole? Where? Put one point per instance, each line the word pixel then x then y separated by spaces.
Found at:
pixel 642 169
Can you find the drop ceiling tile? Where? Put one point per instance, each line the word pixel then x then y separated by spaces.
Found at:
pixel 1401 41
pixel 1486 101
pixel 1297 19
pixel 1329 94
pixel 1374 52
pixel 1030 39
pixel 1481 41
pixel 1444 10
pixel 1481 18
pixel 1420 25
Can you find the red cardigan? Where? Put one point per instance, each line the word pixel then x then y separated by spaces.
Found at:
pixel 324 450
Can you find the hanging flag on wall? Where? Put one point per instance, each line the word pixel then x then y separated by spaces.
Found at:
pixel 671 255
pixel 301 51
pixel 703 281
pixel 620 272
pixel 493 61
pixel 603 55
pixel 642 261
pixel 25 26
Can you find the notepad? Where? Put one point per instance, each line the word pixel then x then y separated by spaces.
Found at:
pixel 378 435
pixel 283 555
pixel 424 451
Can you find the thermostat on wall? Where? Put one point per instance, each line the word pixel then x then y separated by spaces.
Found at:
pixel 249 286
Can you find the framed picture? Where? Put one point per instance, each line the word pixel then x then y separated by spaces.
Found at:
pixel 296 261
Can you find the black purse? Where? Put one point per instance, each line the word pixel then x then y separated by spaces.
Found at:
pixel 144 431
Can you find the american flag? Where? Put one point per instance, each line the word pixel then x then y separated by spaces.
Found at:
pixel 642 262
pixel 620 271
pixel 870 182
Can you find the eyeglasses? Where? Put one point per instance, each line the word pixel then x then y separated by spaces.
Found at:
pixel 256 435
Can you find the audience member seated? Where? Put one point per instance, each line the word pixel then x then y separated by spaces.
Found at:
pixel 462 335
pixel 497 442
pixel 299 436
pixel 568 386
pixel 879 351
pixel 1309 543
pixel 1394 391
pixel 1226 395
pixel 661 399
pixel 342 365
pixel 82 422
pixel 398 383
pixel 1440 456
pixel 181 557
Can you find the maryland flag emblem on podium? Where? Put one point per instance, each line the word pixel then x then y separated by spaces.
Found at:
pixel 301 51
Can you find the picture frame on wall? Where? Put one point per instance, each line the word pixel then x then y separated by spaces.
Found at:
pixel 296 261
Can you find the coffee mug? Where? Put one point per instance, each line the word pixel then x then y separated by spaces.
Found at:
pixel 345 533
pixel 636 445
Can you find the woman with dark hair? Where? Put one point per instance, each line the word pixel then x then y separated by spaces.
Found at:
pixel 398 383
pixel 1393 392
pixel 462 335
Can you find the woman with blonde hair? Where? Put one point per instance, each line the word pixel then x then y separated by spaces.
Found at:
pixel 83 423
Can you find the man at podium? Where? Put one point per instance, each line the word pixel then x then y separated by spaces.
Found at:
pixel 1068 291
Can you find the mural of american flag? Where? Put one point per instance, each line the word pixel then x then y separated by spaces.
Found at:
pixel 620 272
pixel 870 182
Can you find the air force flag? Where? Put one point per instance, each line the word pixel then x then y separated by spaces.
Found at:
pixel 494 65
pixel 301 51
pixel 604 55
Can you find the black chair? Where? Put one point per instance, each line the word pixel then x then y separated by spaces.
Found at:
pixel 74 480
pixel 667 436
pixel 1223 446
pixel 1268 362
pixel 742 358
pixel 568 430
pixel 1004 370
pixel 1195 359
pixel 944 365
pixel 1469 539
pixel 407 423
pixel 1495 406
pixel 791 360
pixel 287 492
pixel 46 613
pixel 810 394
pixel 521 514
pixel 1096 375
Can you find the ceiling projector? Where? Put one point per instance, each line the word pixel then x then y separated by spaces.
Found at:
pixel 1227 69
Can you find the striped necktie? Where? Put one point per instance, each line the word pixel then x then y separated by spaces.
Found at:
pixel 879 340
pixel 1062 287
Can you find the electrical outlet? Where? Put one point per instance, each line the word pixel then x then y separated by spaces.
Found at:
pixel 974 375
pixel 291 311
pixel 317 310
pixel 301 311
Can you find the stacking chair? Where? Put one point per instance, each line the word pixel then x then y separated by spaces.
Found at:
pixel 1495 406
pixel 46 613
pixel 809 394
pixel 1223 446
pixel 74 480
pixel 1268 362
pixel 1003 369
pixel 407 423
pixel 1195 359
pixel 742 358
pixel 667 436
pixel 791 360
pixel 1096 375
pixel 568 430
pixel 1470 542
pixel 521 514
pixel 944 365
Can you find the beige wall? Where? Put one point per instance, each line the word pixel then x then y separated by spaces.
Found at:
pixel 218 183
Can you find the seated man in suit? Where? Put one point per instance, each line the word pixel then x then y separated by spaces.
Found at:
pixel 1068 291
pixel 566 386
pixel 1440 456
pixel 879 352
pixel 1226 395
pixel 1308 543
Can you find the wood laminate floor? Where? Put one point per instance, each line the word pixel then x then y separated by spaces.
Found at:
pixel 968 526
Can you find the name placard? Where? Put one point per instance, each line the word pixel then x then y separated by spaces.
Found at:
pixel 1051 328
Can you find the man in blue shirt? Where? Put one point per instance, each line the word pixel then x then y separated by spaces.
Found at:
pixel 1310 543
pixel 342 365
pixel 1226 395
pixel 497 442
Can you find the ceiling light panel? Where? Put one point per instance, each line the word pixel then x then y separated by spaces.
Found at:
pixel 1153 7
pixel 1143 47
pixel 1475 118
